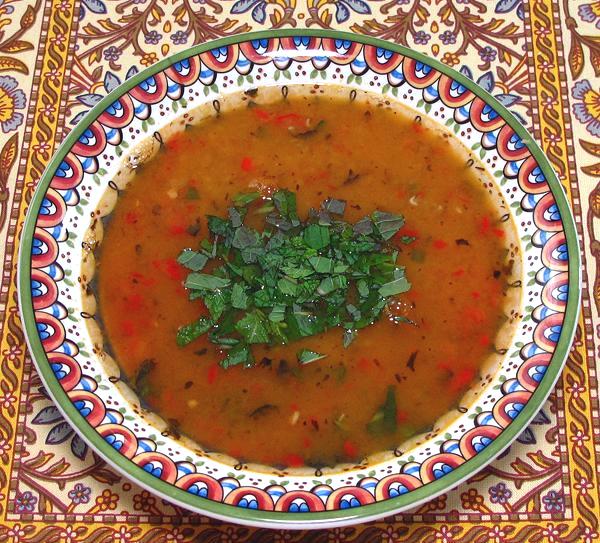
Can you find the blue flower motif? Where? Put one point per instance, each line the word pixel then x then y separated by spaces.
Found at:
pixel 421 37
pixel 554 501
pixel 179 37
pixel 448 37
pixel 488 54
pixel 112 53
pixel 153 37
pixel 80 494
pixel 587 111
pixel 590 13
pixel 11 99
pixel 499 493
pixel 25 502
pixel 6 9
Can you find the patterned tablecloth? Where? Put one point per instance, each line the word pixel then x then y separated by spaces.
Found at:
pixel 540 58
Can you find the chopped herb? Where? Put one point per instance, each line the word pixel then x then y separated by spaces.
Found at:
pixel 244 198
pixel 349 336
pixel 385 418
pixel 283 367
pixel 311 131
pixel 351 177
pixel 188 333
pixel 263 410
pixel 193 229
pixel 240 354
pixel 192 260
pixel 253 327
pixel 397 286
pixel 192 194
pixel 316 236
pixel 417 255
pixel 340 373
pixel 292 279
pixel 462 242
pixel 239 298
pixel 141 382
pixel 306 356
pixel 387 224
pixel 339 422
pixel 334 206
pixel 203 281
pixel 410 364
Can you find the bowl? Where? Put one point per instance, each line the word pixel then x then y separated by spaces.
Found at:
pixel 81 185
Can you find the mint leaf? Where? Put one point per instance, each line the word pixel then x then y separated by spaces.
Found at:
pixel 239 298
pixel 316 236
pixel 253 328
pixel 192 260
pixel 240 354
pixel 188 333
pixel 397 286
pixel 292 278
pixel 385 418
pixel 244 198
pixel 205 281
pixel 306 356
pixel 387 224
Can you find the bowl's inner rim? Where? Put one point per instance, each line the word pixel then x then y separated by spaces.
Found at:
pixel 139 154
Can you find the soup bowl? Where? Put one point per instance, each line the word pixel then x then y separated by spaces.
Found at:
pixel 56 267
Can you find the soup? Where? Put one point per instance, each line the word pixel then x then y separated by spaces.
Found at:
pixel 338 394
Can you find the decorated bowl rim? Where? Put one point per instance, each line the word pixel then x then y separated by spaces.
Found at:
pixel 311 520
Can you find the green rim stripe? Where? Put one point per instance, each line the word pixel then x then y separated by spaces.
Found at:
pixel 300 520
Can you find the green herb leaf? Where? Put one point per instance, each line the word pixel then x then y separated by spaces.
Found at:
pixel 285 203
pixel 240 354
pixel 293 279
pixel 397 286
pixel 321 264
pixel 218 226
pixel 306 356
pixel 277 314
pixel 349 337
pixel 334 206
pixel 192 260
pixel 141 382
pixel 316 236
pixel 188 333
pixel 329 284
pixel 206 281
pixel 215 302
pixel 239 298
pixel 288 286
pixel 192 194
pixel 387 224
pixel 244 198
pixel 385 418
pixel 253 328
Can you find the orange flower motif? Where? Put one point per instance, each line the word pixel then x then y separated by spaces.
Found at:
pixel 148 59
pixel 106 501
pixel 471 499
pixel 451 59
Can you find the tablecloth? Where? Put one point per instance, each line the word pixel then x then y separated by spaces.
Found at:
pixel 540 58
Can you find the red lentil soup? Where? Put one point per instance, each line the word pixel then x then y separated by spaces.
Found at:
pixel 282 413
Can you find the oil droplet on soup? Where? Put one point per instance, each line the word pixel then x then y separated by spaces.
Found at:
pixel 278 412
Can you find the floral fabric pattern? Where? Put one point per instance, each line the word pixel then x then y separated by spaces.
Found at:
pixel 541 59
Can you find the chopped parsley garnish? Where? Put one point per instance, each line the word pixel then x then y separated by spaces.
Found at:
pixel 293 279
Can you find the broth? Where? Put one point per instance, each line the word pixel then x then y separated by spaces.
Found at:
pixel 374 158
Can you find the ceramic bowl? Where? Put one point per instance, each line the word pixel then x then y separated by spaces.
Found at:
pixel 56 266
